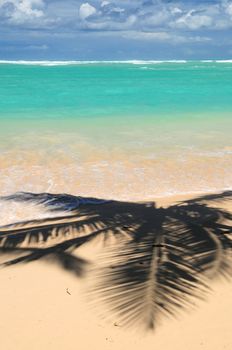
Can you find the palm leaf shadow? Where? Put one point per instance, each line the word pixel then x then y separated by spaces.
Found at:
pixel 161 258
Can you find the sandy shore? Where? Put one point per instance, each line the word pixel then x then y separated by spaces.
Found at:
pixel 45 307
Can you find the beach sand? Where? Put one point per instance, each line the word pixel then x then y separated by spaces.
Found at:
pixel 45 307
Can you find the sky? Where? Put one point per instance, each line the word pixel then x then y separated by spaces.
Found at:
pixel 115 30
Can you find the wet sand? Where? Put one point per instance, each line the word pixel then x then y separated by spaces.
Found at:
pixel 131 160
pixel 45 307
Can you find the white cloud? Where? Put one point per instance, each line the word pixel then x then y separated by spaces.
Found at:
pixel 108 25
pixel 86 10
pixel 186 39
pixel 157 18
pixel 105 3
pixel 37 47
pixel 24 10
pixel 154 36
pixel 164 37
pixel 193 21
pixel 229 9
pixel 118 9
pixel 176 10
pixel 144 20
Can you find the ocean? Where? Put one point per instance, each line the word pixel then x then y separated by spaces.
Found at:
pixel 132 130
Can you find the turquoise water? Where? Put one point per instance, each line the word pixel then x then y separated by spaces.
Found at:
pixel 126 130
pixel 114 90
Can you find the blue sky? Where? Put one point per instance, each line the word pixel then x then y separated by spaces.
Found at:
pixel 95 30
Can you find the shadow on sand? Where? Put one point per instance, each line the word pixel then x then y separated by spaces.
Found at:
pixel 160 258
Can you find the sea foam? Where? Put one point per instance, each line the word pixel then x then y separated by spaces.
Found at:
pixel 78 62
pixel 66 63
pixel 223 61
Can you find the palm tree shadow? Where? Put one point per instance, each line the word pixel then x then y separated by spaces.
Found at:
pixel 160 259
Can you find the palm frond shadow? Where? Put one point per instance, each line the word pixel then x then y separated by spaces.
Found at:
pixel 160 259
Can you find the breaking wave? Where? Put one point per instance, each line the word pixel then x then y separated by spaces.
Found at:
pixel 67 63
